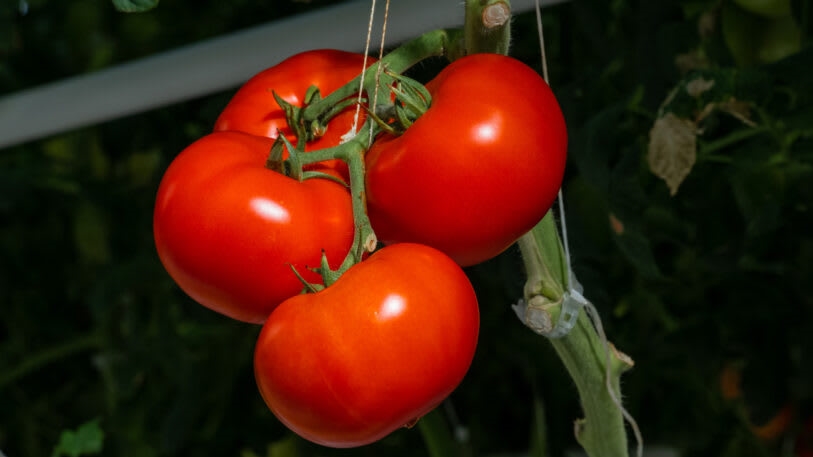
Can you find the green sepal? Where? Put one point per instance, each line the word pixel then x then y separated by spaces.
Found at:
pixel 412 100
pixel 292 165
pixel 275 162
pixel 381 123
pixel 293 115
pixel 321 175
pixel 412 94
pixel 309 288
pixel 328 276
pixel 312 95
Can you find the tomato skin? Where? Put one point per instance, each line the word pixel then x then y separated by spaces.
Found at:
pixel 378 349
pixel 227 229
pixel 479 169
pixel 254 110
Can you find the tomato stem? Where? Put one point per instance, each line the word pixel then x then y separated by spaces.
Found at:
pixel 431 44
pixel 487 26
pixel 543 255
pixel 352 153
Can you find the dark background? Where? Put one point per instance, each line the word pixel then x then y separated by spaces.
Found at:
pixel 708 290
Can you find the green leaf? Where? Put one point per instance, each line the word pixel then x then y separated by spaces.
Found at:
pixel 86 440
pixel 593 145
pixel 287 447
pixel 636 248
pixel 91 233
pixel 134 6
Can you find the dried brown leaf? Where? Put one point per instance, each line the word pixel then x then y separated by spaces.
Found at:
pixel 697 86
pixel 672 149
pixel 739 109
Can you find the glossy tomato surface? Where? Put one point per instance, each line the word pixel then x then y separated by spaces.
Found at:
pixel 373 352
pixel 228 230
pixel 480 168
pixel 254 110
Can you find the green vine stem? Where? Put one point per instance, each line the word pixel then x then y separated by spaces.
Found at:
pixel 601 432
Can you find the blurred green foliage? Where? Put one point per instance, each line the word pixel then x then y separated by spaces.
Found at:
pixel 100 353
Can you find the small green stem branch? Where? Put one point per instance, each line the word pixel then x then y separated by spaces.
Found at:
pixel 352 153
pixel 711 147
pixel 48 356
pixel 544 261
pixel 488 26
pixel 365 240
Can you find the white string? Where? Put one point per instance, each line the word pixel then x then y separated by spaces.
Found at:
pixel 592 312
pixel 380 56
pixel 541 32
pixel 589 308
pixel 354 129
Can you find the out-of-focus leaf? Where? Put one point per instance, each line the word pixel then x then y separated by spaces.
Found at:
pixel 134 6
pixel 142 166
pixel 284 448
pixel 593 146
pixel 636 249
pixel 755 39
pixel 86 440
pixel 539 431
pixel 91 233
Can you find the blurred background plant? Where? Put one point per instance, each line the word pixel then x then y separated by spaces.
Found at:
pixel 689 198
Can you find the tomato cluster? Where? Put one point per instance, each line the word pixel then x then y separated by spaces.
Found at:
pixel 386 342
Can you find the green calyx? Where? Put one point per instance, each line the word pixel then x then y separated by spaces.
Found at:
pixel 403 101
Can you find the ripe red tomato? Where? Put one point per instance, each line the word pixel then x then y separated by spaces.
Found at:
pixel 254 110
pixel 480 168
pixel 228 230
pixel 373 352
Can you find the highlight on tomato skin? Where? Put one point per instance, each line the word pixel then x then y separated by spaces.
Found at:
pixel 228 230
pixel 374 352
pixel 478 169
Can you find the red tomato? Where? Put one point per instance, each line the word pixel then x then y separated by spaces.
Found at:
pixel 228 230
pixel 254 110
pixel 479 169
pixel 373 352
